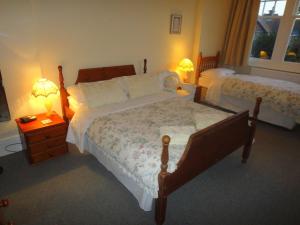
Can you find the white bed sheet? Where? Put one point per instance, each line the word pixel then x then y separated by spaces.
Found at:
pixel 143 197
pixel 266 113
pixel 215 96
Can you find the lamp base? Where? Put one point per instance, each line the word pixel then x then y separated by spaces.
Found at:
pixel 48 105
pixel 48 113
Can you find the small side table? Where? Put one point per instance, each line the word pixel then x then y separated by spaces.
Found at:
pixel 43 141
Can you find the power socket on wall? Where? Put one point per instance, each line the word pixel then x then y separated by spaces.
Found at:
pixel 10 145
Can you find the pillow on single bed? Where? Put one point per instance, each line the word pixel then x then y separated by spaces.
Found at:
pixel 217 71
pixel 142 85
pixel 102 93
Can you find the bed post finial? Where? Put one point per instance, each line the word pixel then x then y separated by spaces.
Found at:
pixel 247 148
pixel 165 154
pixel 161 201
pixel 217 59
pixel 145 65
pixel 63 93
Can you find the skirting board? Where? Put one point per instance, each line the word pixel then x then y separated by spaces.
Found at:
pixel 10 145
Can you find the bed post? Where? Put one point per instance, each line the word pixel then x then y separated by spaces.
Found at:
pixel 217 59
pixel 63 94
pixel 145 65
pixel 161 201
pixel 247 147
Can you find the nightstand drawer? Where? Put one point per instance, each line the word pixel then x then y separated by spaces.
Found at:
pixel 47 154
pixel 46 134
pixel 46 145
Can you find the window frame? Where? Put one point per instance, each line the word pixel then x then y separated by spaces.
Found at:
pixel 276 62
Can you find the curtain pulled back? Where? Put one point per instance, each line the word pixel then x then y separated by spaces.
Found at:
pixel 240 29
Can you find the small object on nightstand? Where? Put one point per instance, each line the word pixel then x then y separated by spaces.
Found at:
pixel 46 121
pixel 43 141
pixel 27 119
pixel 183 92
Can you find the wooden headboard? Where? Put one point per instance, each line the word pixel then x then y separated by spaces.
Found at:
pixel 92 75
pixel 205 63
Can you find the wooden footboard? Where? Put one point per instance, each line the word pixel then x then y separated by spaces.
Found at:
pixel 204 149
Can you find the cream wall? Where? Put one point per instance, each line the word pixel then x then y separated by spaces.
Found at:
pixel 214 24
pixel 210 26
pixel 36 36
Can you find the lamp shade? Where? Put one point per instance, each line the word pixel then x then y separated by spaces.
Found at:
pixel 44 87
pixel 186 65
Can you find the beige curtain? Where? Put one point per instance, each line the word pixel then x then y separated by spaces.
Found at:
pixel 240 29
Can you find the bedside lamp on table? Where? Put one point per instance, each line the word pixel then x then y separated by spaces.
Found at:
pixel 186 65
pixel 44 88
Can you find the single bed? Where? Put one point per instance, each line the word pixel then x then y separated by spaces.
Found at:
pixel 236 92
pixel 127 137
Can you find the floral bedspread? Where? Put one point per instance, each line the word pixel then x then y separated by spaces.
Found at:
pixel 281 96
pixel 132 137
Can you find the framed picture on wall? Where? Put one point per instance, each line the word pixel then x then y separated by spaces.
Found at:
pixel 175 26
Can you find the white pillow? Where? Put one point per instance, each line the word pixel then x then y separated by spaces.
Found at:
pixel 169 80
pixel 217 71
pixel 122 83
pixel 76 93
pixel 142 85
pixel 171 83
pixel 73 104
pixel 101 93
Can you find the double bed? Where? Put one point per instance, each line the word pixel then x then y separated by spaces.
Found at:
pixel 236 92
pixel 153 143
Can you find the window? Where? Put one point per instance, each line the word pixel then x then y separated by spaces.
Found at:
pixel 293 49
pixel 276 42
pixel 269 16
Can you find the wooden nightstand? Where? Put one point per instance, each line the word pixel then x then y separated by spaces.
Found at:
pixel 41 141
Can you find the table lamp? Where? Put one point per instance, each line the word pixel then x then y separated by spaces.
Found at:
pixel 43 88
pixel 186 65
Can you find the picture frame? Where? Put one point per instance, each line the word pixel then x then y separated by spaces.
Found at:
pixel 175 26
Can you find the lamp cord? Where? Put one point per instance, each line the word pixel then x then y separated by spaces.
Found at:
pixel 6 148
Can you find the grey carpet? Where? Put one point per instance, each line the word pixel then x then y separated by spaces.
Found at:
pixel 75 189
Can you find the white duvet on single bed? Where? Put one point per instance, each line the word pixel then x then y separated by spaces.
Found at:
pixel 270 111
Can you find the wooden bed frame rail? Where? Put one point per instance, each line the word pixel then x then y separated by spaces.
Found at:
pixel 204 148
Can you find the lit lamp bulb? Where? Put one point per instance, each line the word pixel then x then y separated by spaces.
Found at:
pixel 186 65
pixel 43 88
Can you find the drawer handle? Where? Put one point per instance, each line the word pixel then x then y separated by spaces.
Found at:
pixel 47 136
